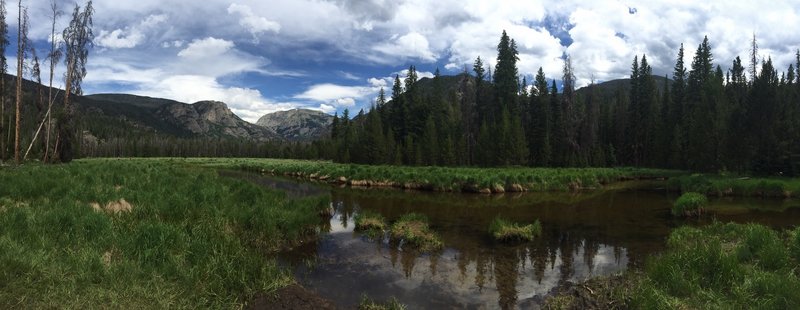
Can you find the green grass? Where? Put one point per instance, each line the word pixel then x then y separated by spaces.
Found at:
pixel 368 304
pixel 372 223
pixel 192 239
pixel 444 178
pixel 690 205
pixel 723 266
pixel 413 229
pixel 720 266
pixel 717 185
pixel 507 231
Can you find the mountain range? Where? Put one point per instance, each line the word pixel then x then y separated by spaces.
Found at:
pixel 206 119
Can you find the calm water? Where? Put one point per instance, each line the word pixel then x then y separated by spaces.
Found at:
pixel 584 235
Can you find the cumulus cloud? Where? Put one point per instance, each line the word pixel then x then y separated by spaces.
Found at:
pixel 129 37
pixel 410 45
pixel 373 36
pixel 255 24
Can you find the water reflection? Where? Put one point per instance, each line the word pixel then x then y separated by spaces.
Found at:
pixel 584 235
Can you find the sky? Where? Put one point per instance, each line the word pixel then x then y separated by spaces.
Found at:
pixel 265 56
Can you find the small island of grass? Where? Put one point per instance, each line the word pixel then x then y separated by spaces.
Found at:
pixel 507 231
pixel 690 205
pixel 414 230
pixel 371 223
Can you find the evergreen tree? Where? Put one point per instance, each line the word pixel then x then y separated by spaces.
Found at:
pixel 539 136
pixel 506 80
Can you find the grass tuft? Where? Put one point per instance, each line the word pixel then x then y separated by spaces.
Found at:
pixel 370 222
pixel 414 230
pixel 507 231
pixel 690 205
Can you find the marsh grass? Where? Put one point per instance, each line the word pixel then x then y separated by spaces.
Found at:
pixel 413 229
pixel 371 223
pixel 190 239
pixel 723 266
pixel 507 231
pixel 445 178
pixel 690 205
pixel 368 304
pixel 717 185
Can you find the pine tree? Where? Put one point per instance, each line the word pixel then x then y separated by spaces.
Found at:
pixel 506 79
pixel 539 136
pixel 700 109
pixel 558 134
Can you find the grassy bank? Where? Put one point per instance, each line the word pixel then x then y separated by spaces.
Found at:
pixel 479 180
pixel 183 238
pixel 719 185
pixel 721 266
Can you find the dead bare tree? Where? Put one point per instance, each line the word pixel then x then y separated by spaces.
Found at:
pixel 3 69
pixel 54 56
pixel 78 38
pixel 22 49
pixel 36 75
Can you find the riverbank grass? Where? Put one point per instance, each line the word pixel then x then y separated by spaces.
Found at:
pixel 724 266
pixel 413 229
pixel 506 231
pixel 444 179
pixel 141 234
pixel 690 205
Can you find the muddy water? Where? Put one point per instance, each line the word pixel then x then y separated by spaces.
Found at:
pixel 584 235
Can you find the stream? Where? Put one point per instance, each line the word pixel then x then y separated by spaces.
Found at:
pixel 584 235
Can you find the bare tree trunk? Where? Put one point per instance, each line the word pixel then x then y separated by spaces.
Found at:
pixel 45 119
pixel 54 58
pixel 20 57
pixel 2 116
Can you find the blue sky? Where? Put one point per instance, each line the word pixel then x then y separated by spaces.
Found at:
pixel 265 56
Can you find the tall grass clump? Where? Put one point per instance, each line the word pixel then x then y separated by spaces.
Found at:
pixel 413 229
pixel 507 231
pixel 190 239
pixel 722 266
pixel 371 223
pixel 690 205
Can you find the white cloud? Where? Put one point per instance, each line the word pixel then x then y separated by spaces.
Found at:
pixel 256 25
pixel 372 34
pixel 208 47
pixel 129 37
pixel 410 45
pixel 333 93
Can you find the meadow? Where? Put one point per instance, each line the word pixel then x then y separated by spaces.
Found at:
pixel 142 234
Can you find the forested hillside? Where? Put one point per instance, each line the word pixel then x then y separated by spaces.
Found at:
pixel 699 118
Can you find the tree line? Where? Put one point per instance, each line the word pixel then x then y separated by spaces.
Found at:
pixel 41 119
pixel 700 118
